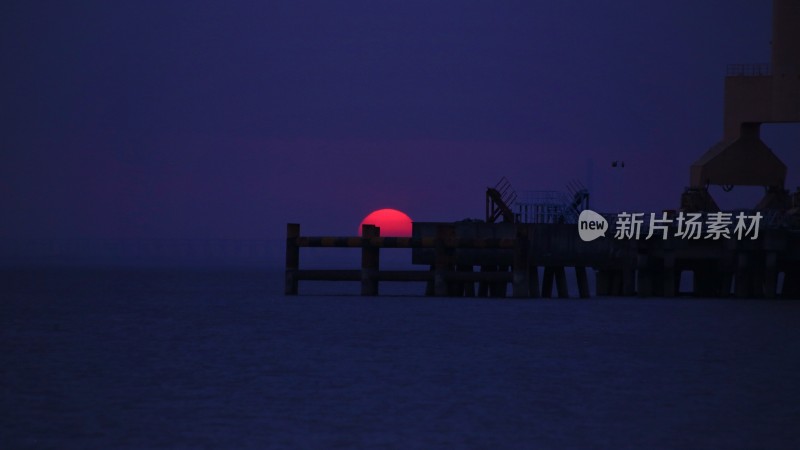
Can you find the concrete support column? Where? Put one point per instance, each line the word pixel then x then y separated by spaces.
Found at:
pixel 467 289
pixel 602 282
pixel 561 282
pixel 533 280
pixel 743 280
pixel 791 283
pixel 770 275
pixel 443 260
pixel 429 289
pixel 583 282
pixel 499 288
pixel 483 286
pixel 628 282
pixel 370 261
pixel 644 276
pixel 671 277
pixel 547 282
pixel 726 281
pixel 520 281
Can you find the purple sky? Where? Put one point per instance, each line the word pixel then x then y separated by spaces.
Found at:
pixel 211 119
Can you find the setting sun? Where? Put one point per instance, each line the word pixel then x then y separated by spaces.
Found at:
pixel 392 222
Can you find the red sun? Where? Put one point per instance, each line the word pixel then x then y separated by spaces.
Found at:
pixel 392 222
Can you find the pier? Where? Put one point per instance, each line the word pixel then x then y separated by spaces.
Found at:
pixel 441 279
pixel 477 259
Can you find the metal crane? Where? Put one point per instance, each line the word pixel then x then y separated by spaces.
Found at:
pixel 754 94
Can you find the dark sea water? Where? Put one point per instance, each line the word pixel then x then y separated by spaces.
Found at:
pixel 221 359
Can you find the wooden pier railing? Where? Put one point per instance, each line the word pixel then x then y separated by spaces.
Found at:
pixel 445 277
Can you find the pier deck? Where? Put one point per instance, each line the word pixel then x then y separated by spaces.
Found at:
pixel 457 256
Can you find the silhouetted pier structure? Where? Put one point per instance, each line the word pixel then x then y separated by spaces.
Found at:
pixel 511 251
pixel 493 256
pixel 442 279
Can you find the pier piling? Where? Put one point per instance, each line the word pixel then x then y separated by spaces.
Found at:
pixel 456 256
pixel 370 260
pixel 583 282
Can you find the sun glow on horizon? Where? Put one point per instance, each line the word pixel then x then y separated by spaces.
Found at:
pixel 392 222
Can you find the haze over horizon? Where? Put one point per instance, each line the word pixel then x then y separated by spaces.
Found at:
pixel 188 120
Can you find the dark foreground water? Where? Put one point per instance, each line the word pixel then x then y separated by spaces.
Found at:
pixel 163 359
